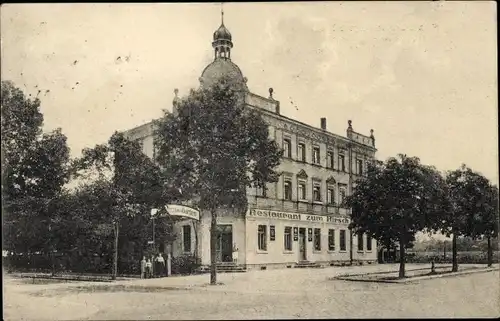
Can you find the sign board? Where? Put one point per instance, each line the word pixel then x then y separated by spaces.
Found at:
pixel 151 242
pixel 177 210
pixel 272 232
pixel 298 217
pixel 295 233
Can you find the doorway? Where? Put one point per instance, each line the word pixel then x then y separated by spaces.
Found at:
pixel 224 249
pixel 302 244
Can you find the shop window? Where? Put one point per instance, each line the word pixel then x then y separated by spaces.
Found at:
pixel 369 244
pixel 287 190
pixel 331 240
pixel 317 239
pixel 186 238
pixel 342 240
pixel 360 242
pixel 288 238
pixel 262 237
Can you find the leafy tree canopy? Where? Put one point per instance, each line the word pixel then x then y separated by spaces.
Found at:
pixel 216 147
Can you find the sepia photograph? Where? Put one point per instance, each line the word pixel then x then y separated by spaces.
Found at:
pixel 250 160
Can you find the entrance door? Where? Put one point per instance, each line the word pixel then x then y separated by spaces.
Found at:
pixel 224 247
pixel 302 244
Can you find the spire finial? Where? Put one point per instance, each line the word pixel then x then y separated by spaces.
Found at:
pixel 222 12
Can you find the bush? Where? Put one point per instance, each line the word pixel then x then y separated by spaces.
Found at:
pixel 184 264
pixel 462 257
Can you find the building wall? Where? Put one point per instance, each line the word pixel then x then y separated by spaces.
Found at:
pixel 276 253
pixel 245 229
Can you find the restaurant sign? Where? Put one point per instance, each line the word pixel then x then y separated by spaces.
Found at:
pixel 177 210
pixel 298 217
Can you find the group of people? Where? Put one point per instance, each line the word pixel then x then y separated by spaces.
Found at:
pixel 148 270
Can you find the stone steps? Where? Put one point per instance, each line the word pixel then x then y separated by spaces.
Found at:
pixel 224 268
pixel 307 264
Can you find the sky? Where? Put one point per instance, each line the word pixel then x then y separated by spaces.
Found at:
pixel 423 75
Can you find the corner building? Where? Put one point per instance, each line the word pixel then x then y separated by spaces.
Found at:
pixel 297 220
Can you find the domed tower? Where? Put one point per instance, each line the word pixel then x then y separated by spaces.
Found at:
pixel 222 64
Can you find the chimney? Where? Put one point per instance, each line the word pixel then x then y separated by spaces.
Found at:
pixel 323 123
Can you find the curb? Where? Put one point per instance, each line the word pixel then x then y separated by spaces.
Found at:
pixel 414 279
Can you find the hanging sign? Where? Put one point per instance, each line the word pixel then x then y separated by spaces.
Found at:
pixel 177 210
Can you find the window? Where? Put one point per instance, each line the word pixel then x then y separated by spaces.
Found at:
pixel 331 240
pixel 287 190
pixel 287 148
pixel 369 244
pixel 186 238
pixel 317 193
pixel 359 165
pixel 329 159
pixel 301 152
pixel 288 238
pixel 342 194
pixel 262 191
pixel 330 196
pixel 301 189
pixel 262 237
pixel 360 242
pixel 341 163
pixel 315 155
pixel 342 240
pixel 317 239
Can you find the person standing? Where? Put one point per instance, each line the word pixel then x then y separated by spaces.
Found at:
pixel 161 265
pixel 143 267
pixel 235 254
pixel 149 267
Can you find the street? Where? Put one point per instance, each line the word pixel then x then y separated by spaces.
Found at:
pixel 289 293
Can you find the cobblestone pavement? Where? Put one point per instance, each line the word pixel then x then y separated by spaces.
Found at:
pixel 288 293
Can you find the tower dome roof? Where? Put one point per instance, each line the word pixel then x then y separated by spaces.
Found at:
pixel 222 33
pixel 222 68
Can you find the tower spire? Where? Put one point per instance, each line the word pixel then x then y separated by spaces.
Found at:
pixel 222 13
pixel 222 39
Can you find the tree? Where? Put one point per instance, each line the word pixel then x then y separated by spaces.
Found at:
pixel 471 207
pixel 34 170
pixel 395 200
pixel 128 182
pixel 487 219
pixel 214 148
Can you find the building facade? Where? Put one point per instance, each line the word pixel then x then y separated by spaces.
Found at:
pixel 297 219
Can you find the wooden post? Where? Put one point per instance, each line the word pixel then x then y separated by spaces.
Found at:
pixel 115 255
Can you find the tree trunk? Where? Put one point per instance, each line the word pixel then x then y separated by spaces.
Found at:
pixel 115 254
pixel 402 260
pixel 454 267
pixel 213 245
pixel 490 252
